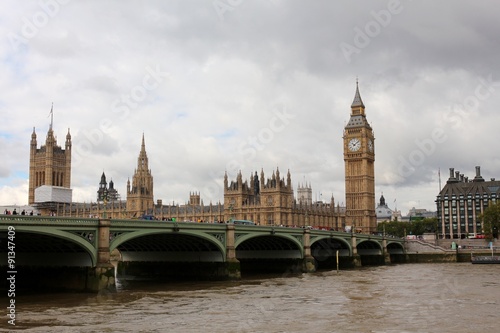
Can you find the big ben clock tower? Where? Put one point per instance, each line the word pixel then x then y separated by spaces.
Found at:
pixel 359 158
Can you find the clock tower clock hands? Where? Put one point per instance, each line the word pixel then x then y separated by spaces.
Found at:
pixel 354 144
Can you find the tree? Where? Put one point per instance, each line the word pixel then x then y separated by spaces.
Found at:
pixel 423 226
pixel 491 220
pixel 400 229
pixel 393 228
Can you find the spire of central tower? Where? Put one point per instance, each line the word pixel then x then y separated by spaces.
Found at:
pixel 142 163
pixel 357 102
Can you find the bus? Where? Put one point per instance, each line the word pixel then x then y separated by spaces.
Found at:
pixel 243 222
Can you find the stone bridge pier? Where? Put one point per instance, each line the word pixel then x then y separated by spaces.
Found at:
pixel 387 256
pixel 233 270
pixel 102 277
pixel 308 263
pixel 356 259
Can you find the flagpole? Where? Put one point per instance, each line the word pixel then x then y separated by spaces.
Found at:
pixel 51 115
pixel 439 175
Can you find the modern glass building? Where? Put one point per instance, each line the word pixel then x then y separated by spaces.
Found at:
pixel 461 202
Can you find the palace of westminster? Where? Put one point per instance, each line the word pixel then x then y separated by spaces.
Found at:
pixel 266 201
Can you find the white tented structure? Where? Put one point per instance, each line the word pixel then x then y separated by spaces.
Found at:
pixel 46 193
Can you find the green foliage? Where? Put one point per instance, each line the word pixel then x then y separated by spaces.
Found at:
pixel 425 225
pixel 393 228
pixel 491 220
pixel 400 229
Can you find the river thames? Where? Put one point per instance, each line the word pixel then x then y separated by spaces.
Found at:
pixel 454 297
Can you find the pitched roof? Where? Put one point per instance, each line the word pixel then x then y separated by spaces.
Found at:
pixel 357 98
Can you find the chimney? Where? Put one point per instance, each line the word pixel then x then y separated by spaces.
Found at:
pixel 478 177
pixel 452 178
pixel 457 175
pixel 462 177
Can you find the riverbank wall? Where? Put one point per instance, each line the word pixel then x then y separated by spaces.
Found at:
pixel 418 251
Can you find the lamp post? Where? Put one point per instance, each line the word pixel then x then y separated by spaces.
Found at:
pixel 105 201
pixel 231 218
pixel 336 216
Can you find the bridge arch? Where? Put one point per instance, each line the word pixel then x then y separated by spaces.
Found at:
pixel 268 246
pixel 166 245
pixel 326 246
pixel 369 247
pixel 395 248
pixel 64 243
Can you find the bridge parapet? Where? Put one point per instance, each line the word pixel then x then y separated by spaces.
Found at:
pixel 47 220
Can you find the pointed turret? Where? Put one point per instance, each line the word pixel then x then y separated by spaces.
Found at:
pixel 142 161
pixel 357 102
pixel 68 140
pixel 33 137
pixel 103 179
pixel 103 188
pixel 256 187
pixel 358 116
pixel 382 200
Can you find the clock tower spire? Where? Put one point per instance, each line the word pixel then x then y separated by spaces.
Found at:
pixel 359 159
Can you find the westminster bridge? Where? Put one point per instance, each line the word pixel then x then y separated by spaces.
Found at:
pixel 77 253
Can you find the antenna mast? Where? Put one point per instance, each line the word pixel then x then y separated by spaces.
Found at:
pixel 439 175
pixel 51 116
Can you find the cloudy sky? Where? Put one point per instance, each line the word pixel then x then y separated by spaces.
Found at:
pixel 231 85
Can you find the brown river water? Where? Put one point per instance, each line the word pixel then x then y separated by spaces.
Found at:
pixel 454 297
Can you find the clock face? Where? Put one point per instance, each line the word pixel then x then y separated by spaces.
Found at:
pixel 354 145
pixel 370 145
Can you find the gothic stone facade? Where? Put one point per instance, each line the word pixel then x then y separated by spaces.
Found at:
pixel 50 164
pixel 271 202
pixel 140 194
pixel 359 158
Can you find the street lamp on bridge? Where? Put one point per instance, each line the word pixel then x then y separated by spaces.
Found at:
pixel 104 201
